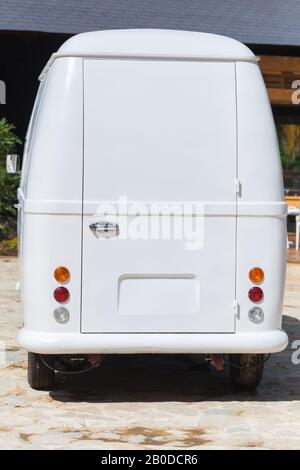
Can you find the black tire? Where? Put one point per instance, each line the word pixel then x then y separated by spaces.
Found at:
pixel 246 370
pixel 39 376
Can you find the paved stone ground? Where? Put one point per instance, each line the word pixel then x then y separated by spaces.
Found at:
pixel 147 402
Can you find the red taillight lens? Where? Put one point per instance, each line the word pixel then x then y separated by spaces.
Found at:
pixel 255 294
pixel 61 294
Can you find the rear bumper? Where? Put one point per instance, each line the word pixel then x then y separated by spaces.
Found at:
pixel 168 343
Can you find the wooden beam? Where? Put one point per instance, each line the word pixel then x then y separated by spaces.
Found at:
pixel 270 64
pixel 280 95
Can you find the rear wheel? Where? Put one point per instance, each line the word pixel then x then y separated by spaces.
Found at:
pixel 246 370
pixel 39 376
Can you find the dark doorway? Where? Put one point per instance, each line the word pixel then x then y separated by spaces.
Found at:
pixel 23 56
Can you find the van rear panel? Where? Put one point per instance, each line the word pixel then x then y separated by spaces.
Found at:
pixel 159 133
pixel 172 120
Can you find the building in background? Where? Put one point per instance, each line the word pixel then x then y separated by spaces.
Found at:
pixel 31 30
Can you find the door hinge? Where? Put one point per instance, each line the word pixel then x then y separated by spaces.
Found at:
pixel 236 308
pixel 237 186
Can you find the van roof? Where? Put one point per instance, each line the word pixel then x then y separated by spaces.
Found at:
pixel 154 43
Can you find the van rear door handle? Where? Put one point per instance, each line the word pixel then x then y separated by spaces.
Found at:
pixel 105 229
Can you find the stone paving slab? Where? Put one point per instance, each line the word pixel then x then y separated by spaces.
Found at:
pixel 147 401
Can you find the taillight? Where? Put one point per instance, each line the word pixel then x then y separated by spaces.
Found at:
pixel 61 315
pixel 256 275
pixel 256 294
pixel 256 315
pixel 62 274
pixel 61 294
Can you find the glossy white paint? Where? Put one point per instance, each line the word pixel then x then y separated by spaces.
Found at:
pixel 124 343
pixel 153 121
pixel 165 117
pixel 259 166
pixel 175 113
pixel 153 43
pixel 261 241
pixel 54 170
pixel 210 272
pixel 63 235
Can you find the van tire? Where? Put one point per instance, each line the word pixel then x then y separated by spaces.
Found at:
pixel 246 370
pixel 39 376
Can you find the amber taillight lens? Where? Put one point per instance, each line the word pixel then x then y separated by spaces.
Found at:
pixel 62 274
pixel 256 275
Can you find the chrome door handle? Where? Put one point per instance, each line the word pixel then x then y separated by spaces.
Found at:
pixel 105 229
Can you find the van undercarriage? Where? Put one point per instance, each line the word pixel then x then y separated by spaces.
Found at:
pixel 44 370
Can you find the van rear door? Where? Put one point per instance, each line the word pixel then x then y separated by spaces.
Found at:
pixel 158 133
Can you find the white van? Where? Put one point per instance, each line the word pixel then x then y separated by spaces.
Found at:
pixel 151 205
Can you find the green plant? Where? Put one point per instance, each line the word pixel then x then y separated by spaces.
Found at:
pixel 285 161
pixel 296 164
pixel 289 163
pixel 8 182
pixel 9 247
